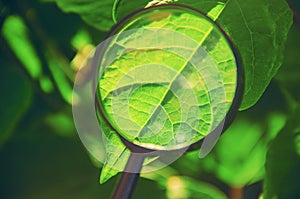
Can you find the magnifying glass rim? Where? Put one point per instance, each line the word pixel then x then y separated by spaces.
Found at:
pixel 236 101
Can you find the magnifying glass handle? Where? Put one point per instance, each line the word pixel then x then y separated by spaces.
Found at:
pixel 127 182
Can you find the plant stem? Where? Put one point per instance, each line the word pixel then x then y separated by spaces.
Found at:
pixel 236 192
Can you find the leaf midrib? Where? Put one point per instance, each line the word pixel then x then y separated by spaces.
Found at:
pixel 214 18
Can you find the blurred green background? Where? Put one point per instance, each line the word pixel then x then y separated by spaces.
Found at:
pixel 41 155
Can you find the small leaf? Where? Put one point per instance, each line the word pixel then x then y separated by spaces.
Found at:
pixel 107 173
pixel 116 153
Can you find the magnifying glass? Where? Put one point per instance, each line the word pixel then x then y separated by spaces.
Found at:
pixel 167 79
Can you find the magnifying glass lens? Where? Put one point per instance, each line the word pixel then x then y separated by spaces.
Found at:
pixel 167 77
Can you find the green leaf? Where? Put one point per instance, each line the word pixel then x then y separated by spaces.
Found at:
pixel 153 101
pixel 283 162
pixel 141 111
pixel 16 34
pixel 239 157
pixel 116 154
pixel 96 13
pixel 258 29
pixel 16 97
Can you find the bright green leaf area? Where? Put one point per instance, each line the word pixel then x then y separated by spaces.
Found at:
pixel 146 98
pixel 283 162
pixel 15 33
pixel 154 105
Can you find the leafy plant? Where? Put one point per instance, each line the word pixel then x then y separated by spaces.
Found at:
pixel 252 63
pixel 43 48
pixel 252 26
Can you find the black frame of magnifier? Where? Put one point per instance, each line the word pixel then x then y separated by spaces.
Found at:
pixel 127 182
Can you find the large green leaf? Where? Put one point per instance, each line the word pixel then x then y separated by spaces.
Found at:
pixel 155 98
pixel 142 105
pixel 258 29
pixel 16 96
pixel 283 162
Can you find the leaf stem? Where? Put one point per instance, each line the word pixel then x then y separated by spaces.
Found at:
pixel 236 193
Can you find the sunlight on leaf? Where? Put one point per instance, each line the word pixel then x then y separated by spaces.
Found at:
pixel 152 95
pixel 155 100
pixel 181 187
